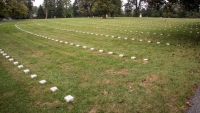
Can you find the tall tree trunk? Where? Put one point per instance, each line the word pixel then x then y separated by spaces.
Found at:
pixel 46 13
pixel 104 15
pixel 112 14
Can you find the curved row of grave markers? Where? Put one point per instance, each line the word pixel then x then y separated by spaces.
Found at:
pixel 129 26
pixel 118 37
pixel 68 98
pixel 77 45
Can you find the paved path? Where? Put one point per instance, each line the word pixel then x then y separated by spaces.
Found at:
pixel 196 103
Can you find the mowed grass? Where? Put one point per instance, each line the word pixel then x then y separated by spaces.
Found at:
pixel 100 82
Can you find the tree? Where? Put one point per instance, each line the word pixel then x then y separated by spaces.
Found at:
pixel 3 9
pixel 40 13
pixel 46 5
pixel 59 9
pixel 101 6
pixel 107 6
pixel 75 8
pixel 85 7
pixel 115 7
pixel 29 5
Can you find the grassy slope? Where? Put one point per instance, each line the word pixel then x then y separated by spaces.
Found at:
pixel 100 82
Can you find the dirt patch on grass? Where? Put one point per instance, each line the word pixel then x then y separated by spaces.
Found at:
pixel 54 103
pixel 37 54
pixel 148 82
pixel 120 72
pixel 94 109
pixel 8 94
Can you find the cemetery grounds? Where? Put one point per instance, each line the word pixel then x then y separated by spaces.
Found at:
pixel 121 65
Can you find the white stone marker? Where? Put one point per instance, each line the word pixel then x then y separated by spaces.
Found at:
pixel 61 41
pixel 66 42
pixel 20 66
pixel 84 47
pixel 140 40
pixel 145 59
pixel 121 55
pixel 110 53
pixel 11 59
pixel 26 71
pixel 71 44
pixel 149 41
pixel 69 98
pixel 42 81
pixel 54 89
pixel 119 37
pixel 91 49
pixel 167 44
pixel 125 38
pixel 77 45
pixel 15 63
pixel 4 54
pixel 7 56
pixel 133 57
pixel 133 39
pixel 33 76
pixel 158 42
pixel 101 51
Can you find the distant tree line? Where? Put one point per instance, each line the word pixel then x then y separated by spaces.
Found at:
pixel 21 9
pixel 163 8
pixel 17 9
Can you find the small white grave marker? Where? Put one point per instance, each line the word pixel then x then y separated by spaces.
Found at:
pixel 42 81
pixel 119 37
pixel 26 71
pixel 61 41
pixel 66 42
pixel 145 59
pixel 133 39
pixel 84 47
pixel 133 57
pixel 121 55
pixel 20 66
pixel 33 76
pixel 110 53
pixel 140 40
pixel 167 44
pixel 77 45
pixel 7 56
pixel 54 89
pixel 11 59
pixel 125 38
pixel 71 44
pixel 4 54
pixel 15 63
pixel 91 49
pixel 149 41
pixel 158 42
pixel 69 98
pixel 101 51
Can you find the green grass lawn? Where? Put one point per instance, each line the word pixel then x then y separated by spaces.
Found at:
pixel 100 82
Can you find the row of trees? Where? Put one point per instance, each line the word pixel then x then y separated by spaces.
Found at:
pixel 17 9
pixel 87 8
pixel 97 8
pixel 158 8
pixel 63 8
